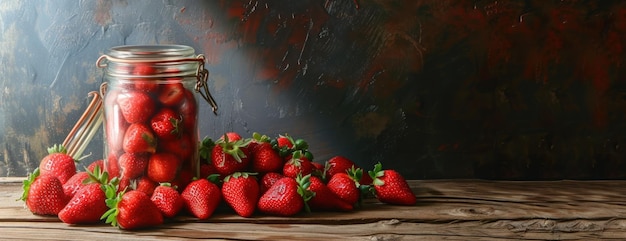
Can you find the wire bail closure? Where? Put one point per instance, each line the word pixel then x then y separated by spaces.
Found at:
pixel 201 85
pixel 202 74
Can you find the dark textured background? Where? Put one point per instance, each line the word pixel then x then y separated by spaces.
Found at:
pixel 436 89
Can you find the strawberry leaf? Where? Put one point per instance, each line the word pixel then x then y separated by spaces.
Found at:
pixel 26 184
pixel 113 198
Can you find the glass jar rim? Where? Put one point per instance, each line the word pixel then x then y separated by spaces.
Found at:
pixel 157 51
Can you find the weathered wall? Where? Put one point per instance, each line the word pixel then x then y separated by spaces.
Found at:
pixel 437 89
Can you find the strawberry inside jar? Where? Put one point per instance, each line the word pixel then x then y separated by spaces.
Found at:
pixel 150 111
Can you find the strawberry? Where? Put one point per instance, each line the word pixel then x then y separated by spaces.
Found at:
pixel 345 188
pixel 201 198
pixel 188 110
pixel 257 140
pixel 390 187
pixel 171 94
pixel 166 124
pixel 341 164
pixel 163 167
pixel 89 203
pixel 338 164
pixel 139 138
pixel 324 198
pixel 286 197
pixel 87 206
pixel 111 166
pixel 125 184
pixel 131 210
pixel 58 163
pixel 136 106
pixel 286 145
pixel 231 136
pixel 268 180
pixel 296 165
pixel 75 183
pixel 183 147
pixel 144 184
pixel 144 84
pixel 266 159
pixel 168 200
pixel 284 141
pixel 241 191
pixel 97 163
pixel 43 194
pixel 133 165
pixel 356 173
pixel 229 157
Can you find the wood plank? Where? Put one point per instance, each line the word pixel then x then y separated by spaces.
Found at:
pixel 446 209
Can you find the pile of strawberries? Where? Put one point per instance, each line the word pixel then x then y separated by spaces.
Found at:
pixel 256 175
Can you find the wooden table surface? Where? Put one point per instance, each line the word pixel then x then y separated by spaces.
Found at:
pixel 446 209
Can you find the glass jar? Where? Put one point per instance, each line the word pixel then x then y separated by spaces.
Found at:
pixel 151 113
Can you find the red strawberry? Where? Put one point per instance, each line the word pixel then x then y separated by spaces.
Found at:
pixel 139 138
pixel 324 198
pixel 168 200
pixel 89 203
pixel 296 165
pixel 144 184
pixel 75 183
pixel 257 140
pixel 390 187
pixel 285 141
pixel 131 210
pixel 163 167
pixel 136 106
pixel 112 166
pixel 341 164
pixel 344 187
pixel 43 194
pixel 171 94
pixel 87 206
pixel 241 191
pixel 145 84
pixel 97 163
pixel 266 159
pixel 124 184
pixel 58 163
pixel 133 165
pixel 229 157
pixel 286 197
pixel 183 147
pixel 201 198
pixel 338 164
pixel 357 174
pixel 268 181
pixel 166 124
pixel 188 110
pixel 231 136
